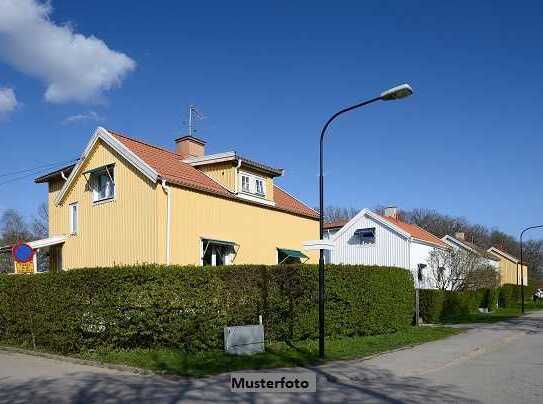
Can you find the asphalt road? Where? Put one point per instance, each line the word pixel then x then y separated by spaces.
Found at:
pixel 498 363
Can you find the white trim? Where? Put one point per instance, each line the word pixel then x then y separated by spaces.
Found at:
pixel 168 191
pixel 255 198
pixel 375 217
pixel 47 242
pixel 211 158
pixel 102 134
pixel 450 240
pixel 497 251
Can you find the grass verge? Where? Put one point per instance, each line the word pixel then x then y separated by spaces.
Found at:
pixel 278 354
pixel 499 314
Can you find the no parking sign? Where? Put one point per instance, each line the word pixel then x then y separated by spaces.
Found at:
pixel 23 255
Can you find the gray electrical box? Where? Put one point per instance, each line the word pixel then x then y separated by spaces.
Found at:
pixel 244 340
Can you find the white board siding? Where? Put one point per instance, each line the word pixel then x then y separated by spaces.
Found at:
pixel 390 248
pixel 419 255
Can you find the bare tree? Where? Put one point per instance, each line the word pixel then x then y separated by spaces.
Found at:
pixel 40 222
pixel 13 228
pixel 460 270
pixel 332 213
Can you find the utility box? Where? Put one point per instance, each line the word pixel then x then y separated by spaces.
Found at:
pixel 244 340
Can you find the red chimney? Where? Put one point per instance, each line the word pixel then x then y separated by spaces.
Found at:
pixel 190 146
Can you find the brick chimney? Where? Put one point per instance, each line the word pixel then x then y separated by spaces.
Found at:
pixel 459 236
pixel 392 211
pixel 189 146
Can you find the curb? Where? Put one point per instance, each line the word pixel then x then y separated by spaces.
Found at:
pixel 79 361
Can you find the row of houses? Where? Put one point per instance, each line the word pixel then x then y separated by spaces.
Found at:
pixel 127 202
pixel 373 239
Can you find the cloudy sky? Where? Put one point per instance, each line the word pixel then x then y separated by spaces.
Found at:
pixel 268 74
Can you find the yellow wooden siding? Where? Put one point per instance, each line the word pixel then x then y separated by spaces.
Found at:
pixel 127 230
pixel 223 173
pixel 258 231
pixel 509 271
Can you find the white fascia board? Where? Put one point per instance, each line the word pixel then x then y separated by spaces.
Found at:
pixel 373 216
pixel 497 251
pixel 102 134
pixel 46 242
pixel 256 199
pixel 211 158
pixel 427 243
pixel 455 242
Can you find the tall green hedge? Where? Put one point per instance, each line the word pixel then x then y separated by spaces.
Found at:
pixel 431 304
pixel 187 307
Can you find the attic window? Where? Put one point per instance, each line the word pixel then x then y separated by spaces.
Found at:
pixel 102 183
pixel 253 184
pixel 365 236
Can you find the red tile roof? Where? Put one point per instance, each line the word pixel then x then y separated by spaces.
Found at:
pixel 335 224
pixel 416 232
pixel 170 167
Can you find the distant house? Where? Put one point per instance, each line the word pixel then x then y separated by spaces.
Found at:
pixel 509 268
pixel 459 242
pixel 372 239
pixel 128 202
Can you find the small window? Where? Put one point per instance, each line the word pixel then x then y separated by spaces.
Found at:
pixel 420 269
pixel 245 183
pixel 74 217
pixel 365 236
pixel 259 187
pixel 103 184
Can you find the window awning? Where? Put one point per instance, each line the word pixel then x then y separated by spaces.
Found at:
pixel 47 242
pixel 220 242
pixel 97 169
pixel 292 253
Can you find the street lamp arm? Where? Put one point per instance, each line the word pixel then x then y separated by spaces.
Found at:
pixel 521 263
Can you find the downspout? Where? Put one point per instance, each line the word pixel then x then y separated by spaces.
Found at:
pixel 237 176
pixel 63 176
pixel 168 190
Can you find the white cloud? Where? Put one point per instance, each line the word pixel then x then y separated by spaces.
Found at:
pixel 74 67
pixel 85 116
pixel 8 102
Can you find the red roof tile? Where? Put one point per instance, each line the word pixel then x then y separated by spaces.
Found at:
pixel 170 167
pixel 416 232
pixel 335 224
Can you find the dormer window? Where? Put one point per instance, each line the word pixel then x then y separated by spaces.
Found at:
pixel 253 184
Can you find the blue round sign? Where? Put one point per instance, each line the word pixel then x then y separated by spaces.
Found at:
pixel 22 253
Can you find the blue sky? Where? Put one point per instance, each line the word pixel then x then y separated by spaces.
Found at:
pixel 268 74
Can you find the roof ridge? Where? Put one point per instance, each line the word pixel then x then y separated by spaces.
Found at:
pixel 114 132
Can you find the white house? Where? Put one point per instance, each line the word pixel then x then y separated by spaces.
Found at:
pixel 372 239
pixel 459 242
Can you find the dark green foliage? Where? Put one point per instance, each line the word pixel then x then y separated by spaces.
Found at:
pixel 490 297
pixel 431 304
pixel 457 305
pixel 505 298
pixel 187 307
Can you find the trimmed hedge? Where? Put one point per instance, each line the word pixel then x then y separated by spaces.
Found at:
pixel 187 307
pixel 431 304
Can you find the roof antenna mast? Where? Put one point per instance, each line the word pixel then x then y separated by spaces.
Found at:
pixel 194 114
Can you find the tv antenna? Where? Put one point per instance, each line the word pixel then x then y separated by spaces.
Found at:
pixel 194 115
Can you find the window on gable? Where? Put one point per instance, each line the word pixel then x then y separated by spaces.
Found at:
pixel 74 217
pixel 103 184
pixel 365 236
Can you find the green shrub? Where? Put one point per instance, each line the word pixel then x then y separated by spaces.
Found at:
pixel 456 305
pixel 431 304
pixel 506 295
pixel 187 307
pixel 490 297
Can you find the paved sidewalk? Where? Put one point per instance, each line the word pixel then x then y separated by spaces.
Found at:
pixel 501 362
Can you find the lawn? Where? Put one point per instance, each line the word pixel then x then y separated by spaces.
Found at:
pixel 278 354
pixel 499 314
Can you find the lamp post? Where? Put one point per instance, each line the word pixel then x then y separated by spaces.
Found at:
pixel 395 93
pixel 521 268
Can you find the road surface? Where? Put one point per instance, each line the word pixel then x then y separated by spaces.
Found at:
pixel 495 363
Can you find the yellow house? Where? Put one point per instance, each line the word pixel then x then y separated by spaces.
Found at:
pixel 509 268
pixel 128 202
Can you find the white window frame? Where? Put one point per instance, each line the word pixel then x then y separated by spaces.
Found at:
pixel 74 229
pixel 252 178
pixel 94 177
pixel 248 181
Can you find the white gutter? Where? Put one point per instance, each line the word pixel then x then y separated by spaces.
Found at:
pixel 168 191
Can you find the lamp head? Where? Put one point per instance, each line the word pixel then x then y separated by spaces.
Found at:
pixel 397 93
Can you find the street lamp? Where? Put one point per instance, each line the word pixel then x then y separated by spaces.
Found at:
pixel 395 93
pixel 522 269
